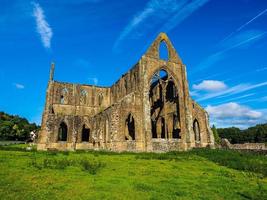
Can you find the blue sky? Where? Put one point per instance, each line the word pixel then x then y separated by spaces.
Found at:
pixel 222 43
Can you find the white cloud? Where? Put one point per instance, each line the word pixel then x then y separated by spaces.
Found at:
pixel 210 85
pixel 19 86
pixel 234 114
pixel 232 110
pixel 42 26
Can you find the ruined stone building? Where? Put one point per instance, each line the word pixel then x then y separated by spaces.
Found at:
pixel 147 109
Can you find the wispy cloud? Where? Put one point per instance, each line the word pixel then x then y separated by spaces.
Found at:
pixel 234 114
pixel 258 100
pixel 42 26
pixel 94 79
pixel 244 25
pixel 170 13
pixel 235 98
pixel 232 90
pixel 184 13
pixel 247 39
pixel 261 69
pixel 210 85
pixel 19 86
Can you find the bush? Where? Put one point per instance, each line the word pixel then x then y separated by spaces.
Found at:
pixel 216 135
pixel 236 160
pixel 91 166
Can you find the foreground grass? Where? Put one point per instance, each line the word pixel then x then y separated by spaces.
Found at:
pixel 198 174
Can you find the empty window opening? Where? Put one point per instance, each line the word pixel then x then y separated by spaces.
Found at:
pixel 85 134
pixel 196 130
pixel 171 93
pixel 163 51
pixel 163 128
pixel 130 128
pixel 63 96
pixel 62 99
pixel 154 128
pixel 62 132
pixel 176 127
pixel 159 75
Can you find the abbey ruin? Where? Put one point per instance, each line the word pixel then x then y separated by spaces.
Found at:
pixel 147 109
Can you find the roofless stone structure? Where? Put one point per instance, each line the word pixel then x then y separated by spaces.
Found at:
pixel 147 109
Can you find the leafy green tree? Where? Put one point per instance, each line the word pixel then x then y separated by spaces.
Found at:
pixel 215 134
pixel 253 134
pixel 13 127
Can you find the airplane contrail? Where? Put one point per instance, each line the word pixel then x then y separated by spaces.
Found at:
pixel 245 24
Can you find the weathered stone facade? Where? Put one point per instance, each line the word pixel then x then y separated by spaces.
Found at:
pixel 147 109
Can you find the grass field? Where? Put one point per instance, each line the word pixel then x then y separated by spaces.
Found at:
pixel 198 174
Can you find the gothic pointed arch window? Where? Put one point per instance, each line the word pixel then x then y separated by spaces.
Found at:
pixel 130 128
pixel 83 97
pixel 171 91
pixel 163 51
pixel 62 132
pixel 85 133
pixel 164 106
pixel 64 96
pixel 100 99
pixel 196 130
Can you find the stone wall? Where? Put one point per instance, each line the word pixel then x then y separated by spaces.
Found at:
pixel 245 146
pixel 142 111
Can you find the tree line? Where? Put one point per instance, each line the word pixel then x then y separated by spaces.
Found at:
pixel 13 127
pixel 255 134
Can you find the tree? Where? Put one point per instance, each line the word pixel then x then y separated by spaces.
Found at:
pixel 215 134
pixel 13 127
pixel 253 134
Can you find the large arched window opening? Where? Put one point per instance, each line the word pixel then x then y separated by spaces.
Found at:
pixel 164 110
pixel 171 93
pixel 196 130
pixel 62 132
pixel 163 51
pixel 85 134
pixel 130 128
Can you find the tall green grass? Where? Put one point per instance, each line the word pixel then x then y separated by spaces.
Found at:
pixel 196 174
pixel 246 161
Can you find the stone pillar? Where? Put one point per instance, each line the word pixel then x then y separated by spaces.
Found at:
pixel 188 114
